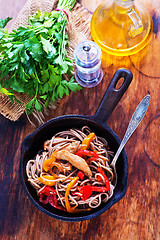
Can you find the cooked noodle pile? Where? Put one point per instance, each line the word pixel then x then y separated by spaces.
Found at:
pixel 64 170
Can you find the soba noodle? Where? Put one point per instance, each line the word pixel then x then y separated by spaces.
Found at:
pixel 66 140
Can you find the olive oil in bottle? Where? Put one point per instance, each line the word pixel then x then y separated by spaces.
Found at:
pixel 121 27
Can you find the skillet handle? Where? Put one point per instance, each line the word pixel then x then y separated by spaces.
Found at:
pixel 112 96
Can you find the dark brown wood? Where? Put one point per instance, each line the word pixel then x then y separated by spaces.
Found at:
pixel 137 215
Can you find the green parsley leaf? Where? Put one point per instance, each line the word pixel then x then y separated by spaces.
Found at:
pixel 38 106
pixel 4 22
pixel 73 86
pixel 47 46
pixel 5 91
pixel 60 91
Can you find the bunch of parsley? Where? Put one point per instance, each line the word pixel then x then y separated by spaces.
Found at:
pixel 34 59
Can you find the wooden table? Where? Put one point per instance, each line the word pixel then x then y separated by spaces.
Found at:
pixel 137 215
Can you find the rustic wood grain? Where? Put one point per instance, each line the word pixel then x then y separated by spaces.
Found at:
pixel 136 216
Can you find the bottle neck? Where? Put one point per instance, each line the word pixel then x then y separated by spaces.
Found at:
pixel 120 9
pixel 123 6
pixel 124 3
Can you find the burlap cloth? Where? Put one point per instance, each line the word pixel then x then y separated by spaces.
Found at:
pixel 78 29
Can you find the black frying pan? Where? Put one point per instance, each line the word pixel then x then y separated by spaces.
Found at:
pixel 98 124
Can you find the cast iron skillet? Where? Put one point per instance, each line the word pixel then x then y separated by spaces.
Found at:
pixel 33 143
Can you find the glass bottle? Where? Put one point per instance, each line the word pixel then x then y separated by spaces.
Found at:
pixel 121 27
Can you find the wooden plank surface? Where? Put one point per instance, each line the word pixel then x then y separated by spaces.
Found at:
pixel 136 216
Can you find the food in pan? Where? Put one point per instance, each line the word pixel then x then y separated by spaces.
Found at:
pixel 72 172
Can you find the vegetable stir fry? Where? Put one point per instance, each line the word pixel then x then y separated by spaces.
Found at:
pixel 69 177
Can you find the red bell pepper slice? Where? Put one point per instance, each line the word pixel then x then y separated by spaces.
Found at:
pixel 49 195
pixel 81 175
pixel 44 199
pixel 53 202
pixel 86 191
pixel 99 178
pixel 99 189
pixel 46 191
pixel 88 153
pixel 105 177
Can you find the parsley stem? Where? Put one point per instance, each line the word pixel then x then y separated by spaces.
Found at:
pixel 66 4
pixel 37 76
